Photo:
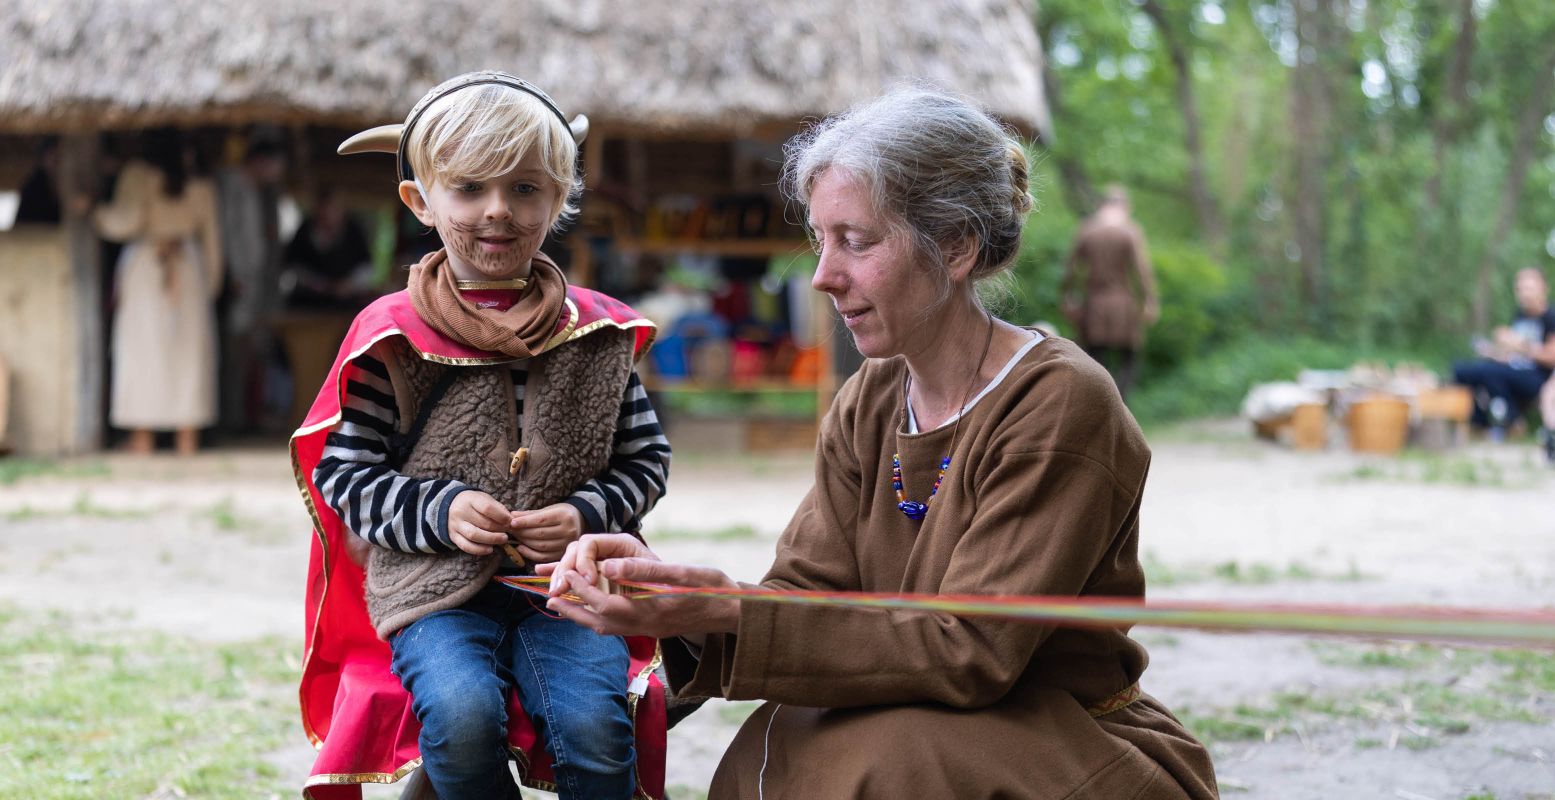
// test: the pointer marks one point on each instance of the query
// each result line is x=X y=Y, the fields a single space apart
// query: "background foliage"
x=1320 y=179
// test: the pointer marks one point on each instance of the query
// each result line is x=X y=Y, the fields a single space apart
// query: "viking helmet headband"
x=392 y=138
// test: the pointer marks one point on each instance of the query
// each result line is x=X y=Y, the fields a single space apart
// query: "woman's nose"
x=828 y=276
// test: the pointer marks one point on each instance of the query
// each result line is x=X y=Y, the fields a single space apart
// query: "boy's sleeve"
x=373 y=500
x=617 y=498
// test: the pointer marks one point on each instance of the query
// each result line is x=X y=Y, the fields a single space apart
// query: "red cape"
x=354 y=710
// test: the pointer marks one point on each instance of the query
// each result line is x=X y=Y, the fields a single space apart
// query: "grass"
x=13 y=470
x=84 y=506
x=130 y=716
x=1464 y=688
x=735 y=713
x=1159 y=573
x=1444 y=469
x=729 y=533
x=1414 y=466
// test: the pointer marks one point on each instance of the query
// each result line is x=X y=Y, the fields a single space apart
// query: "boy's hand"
x=477 y=522
x=544 y=533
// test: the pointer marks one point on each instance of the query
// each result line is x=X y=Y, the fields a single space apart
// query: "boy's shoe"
x=1547 y=441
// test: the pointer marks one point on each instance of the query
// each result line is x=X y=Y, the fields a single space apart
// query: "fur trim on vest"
x=571 y=404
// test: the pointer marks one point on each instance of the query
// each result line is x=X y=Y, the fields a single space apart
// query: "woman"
x=967 y=456
x=164 y=335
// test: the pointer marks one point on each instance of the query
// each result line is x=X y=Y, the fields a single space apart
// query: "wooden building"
x=690 y=103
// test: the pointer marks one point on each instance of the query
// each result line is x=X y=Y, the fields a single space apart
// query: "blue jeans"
x=458 y=666
x=1514 y=386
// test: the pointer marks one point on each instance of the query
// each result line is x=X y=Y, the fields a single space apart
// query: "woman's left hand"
x=614 y=614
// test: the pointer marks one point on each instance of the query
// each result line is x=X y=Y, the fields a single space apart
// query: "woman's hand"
x=544 y=533
x=619 y=557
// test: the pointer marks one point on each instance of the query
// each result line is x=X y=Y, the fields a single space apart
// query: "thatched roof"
x=677 y=65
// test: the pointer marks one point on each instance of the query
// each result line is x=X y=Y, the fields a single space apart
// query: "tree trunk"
x=78 y=157
x=1448 y=124
x=1311 y=111
x=1078 y=190
x=1204 y=204
x=1529 y=125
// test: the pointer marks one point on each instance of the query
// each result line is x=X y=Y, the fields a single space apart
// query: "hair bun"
x=1020 y=179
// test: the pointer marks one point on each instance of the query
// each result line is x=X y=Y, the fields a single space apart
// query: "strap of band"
x=475 y=79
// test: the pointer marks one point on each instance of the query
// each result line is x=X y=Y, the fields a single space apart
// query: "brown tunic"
x=1042 y=497
x=1119 y=283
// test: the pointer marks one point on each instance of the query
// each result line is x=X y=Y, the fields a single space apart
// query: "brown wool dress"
x=1042 y=497
x=1119 y=283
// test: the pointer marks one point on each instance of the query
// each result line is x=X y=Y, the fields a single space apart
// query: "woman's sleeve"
x=815 y=552
x=124 y=217
x=1045 y=519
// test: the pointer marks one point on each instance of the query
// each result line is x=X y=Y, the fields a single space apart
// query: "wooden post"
x=826 y=382
x=78 y=176
x=593 y=166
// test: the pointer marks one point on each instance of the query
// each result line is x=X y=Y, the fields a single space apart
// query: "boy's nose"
x=497 y=207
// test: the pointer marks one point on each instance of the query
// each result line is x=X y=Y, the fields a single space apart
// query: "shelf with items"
x=694 y=235
x=734 y=248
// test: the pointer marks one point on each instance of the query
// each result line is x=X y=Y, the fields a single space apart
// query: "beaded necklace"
x=915 y=510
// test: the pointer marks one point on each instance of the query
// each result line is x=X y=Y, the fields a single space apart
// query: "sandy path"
x=216 y=548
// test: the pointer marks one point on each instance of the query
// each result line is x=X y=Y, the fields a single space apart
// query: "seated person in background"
x=1547 y=414
x=1516 y=362
x=328 y=263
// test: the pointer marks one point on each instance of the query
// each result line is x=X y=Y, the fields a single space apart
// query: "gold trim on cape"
x=510 y=283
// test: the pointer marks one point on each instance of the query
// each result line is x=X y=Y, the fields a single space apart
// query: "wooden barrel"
x=1379 y=424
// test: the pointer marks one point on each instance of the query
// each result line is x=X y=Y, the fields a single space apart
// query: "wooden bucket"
x=1309 y=427
x=1454 y=403
x=1379 y=424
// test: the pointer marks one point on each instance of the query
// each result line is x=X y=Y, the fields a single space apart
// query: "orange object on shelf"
x=806 y=368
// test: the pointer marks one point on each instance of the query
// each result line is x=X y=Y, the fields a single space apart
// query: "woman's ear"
x=416 y=201
x=961 y=258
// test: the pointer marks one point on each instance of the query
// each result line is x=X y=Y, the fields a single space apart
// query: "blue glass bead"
x=913 y=509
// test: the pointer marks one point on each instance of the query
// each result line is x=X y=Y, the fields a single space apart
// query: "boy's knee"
x=455 y=732
x=596 y=736
x=462 y=715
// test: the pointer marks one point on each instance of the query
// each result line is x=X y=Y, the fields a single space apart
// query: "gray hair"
x=937 y=167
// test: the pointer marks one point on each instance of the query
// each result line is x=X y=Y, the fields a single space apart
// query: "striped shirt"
x=411 y=514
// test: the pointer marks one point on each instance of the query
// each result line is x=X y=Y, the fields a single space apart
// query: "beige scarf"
x=520 y=331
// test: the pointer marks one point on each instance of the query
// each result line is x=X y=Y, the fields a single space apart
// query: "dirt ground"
x=216 y=548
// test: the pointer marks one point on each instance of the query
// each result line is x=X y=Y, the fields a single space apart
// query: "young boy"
x=473 y=425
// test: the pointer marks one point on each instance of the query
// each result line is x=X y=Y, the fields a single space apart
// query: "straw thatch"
x=677 y=65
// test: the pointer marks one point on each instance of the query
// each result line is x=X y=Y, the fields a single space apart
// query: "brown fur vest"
x=571 y=404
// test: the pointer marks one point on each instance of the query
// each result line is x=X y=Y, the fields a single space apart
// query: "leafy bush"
x=1214 y=384
x=1194 y=290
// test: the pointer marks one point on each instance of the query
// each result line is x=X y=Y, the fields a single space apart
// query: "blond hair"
x=482 y=132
